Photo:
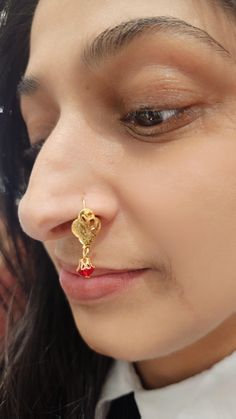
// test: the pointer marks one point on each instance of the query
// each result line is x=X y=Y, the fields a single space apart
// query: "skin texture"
x=166 y=202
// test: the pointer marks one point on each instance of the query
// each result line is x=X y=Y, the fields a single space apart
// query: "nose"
x=56 y=189
x=52 y=218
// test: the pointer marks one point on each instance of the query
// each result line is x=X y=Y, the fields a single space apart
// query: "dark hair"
x=46 y=368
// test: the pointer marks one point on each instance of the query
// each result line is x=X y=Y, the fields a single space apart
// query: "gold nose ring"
x=85 y=228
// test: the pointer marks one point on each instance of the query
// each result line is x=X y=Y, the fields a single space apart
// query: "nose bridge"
x=70 y=160
x=72 y=139
x=69 y=167
x=75 y=141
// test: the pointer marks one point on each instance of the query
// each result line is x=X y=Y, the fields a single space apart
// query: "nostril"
x=62 y=228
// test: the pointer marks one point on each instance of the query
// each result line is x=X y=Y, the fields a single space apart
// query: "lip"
x=96 y=288
x=99 y=271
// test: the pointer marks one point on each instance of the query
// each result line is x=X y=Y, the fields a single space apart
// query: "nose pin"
x=85 y=228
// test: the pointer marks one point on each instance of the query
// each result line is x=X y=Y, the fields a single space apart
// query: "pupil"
x=149 y=118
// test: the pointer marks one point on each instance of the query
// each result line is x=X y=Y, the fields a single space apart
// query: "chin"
x=119 y=350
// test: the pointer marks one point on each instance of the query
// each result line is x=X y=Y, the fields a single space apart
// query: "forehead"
x=63 y=29
x=55 y=21
x=93 y=15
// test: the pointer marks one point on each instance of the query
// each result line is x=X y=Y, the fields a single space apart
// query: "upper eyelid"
x=35 y=100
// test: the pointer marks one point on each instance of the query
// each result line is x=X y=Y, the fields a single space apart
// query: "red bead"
x=86 y=272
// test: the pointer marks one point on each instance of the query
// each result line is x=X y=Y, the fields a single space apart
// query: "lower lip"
x=96 y=288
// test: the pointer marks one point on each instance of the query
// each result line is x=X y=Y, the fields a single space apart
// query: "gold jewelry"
x=85 y=228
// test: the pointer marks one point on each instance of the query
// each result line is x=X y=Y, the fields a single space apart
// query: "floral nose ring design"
x=85 y=228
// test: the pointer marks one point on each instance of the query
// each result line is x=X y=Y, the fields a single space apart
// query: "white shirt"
x=210 y=394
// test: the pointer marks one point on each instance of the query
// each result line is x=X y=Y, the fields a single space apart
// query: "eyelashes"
x=30 y=154
x=150 y=117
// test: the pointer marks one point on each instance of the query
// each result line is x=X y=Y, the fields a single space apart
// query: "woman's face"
x=142 y=125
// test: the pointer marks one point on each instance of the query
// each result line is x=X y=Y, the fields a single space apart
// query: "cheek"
x=189 y=210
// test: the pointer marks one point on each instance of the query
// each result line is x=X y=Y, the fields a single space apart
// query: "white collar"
x=210 y=394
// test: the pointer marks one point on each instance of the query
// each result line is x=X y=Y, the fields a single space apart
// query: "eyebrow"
x=113 y=40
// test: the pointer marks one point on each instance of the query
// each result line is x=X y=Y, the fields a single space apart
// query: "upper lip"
x=97 y=272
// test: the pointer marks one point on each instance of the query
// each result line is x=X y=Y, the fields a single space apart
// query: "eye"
x=149 y=122
x=149 y=118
